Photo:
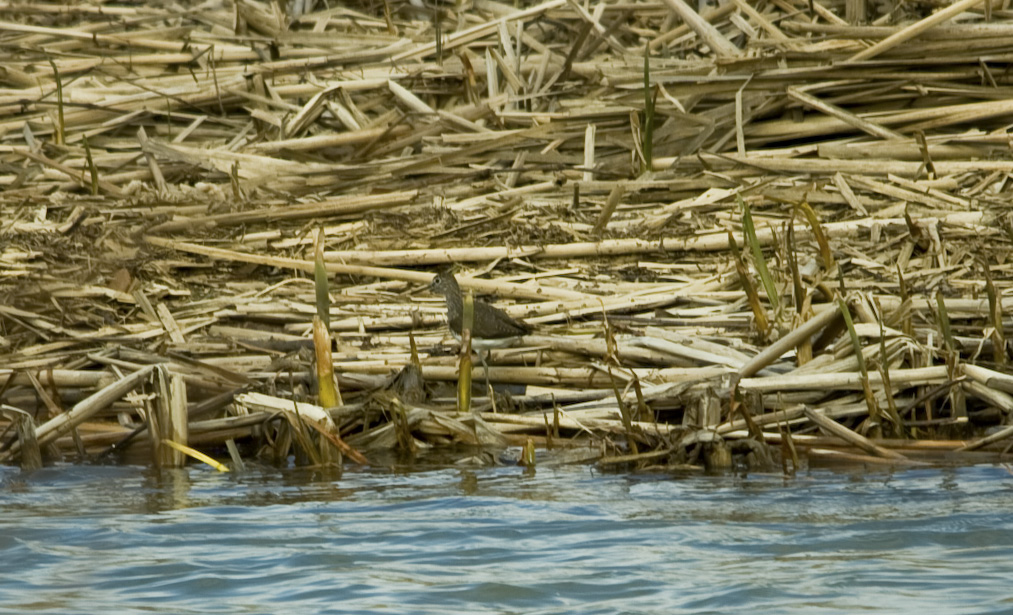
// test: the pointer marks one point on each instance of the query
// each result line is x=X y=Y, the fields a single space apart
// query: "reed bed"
x=752 y=234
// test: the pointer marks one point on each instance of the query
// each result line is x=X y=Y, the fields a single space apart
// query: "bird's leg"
x=485 y=366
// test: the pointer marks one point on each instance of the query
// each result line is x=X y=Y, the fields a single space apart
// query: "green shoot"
x=60 y=125
x=749 y=230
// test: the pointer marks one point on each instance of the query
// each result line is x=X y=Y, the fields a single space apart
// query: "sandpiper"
x=492 y=327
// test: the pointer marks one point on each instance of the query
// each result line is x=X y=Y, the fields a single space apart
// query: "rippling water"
x=565 y=540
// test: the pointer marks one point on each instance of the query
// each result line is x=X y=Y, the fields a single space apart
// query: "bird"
x=491 y=328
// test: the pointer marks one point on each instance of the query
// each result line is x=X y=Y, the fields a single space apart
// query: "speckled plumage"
x=492 y=326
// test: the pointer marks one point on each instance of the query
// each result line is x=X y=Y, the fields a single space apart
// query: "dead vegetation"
x=766 y=223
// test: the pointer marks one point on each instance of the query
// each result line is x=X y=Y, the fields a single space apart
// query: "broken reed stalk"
x=300 y=433
x=338 y=443
x=624 y=413
x=31 y=456
x=856 y=348
x=834 y=428
x=167 y=418
x=896 y=422
x=528 y=454
x=59 y=133
x=321 y=282
x=801 y=333
x=63 y=423
x=464 y=366
x=303 y=419
x=327 y=387
x=610 y=206
x=195 y=454
x=647 y=140
x=950 y=353
x=821 y=237
x=92 y=170
x=752 y=296
x=995 y=318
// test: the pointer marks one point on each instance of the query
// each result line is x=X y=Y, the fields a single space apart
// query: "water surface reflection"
x=563 y=540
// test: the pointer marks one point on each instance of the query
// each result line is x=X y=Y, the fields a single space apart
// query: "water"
x=565 y=540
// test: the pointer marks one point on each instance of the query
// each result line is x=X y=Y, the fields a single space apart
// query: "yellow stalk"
x=326 y=384
x=199 y=456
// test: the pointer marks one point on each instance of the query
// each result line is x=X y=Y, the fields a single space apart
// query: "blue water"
x=79 y=539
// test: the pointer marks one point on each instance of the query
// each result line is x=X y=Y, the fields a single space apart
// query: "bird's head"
x=444 y=283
